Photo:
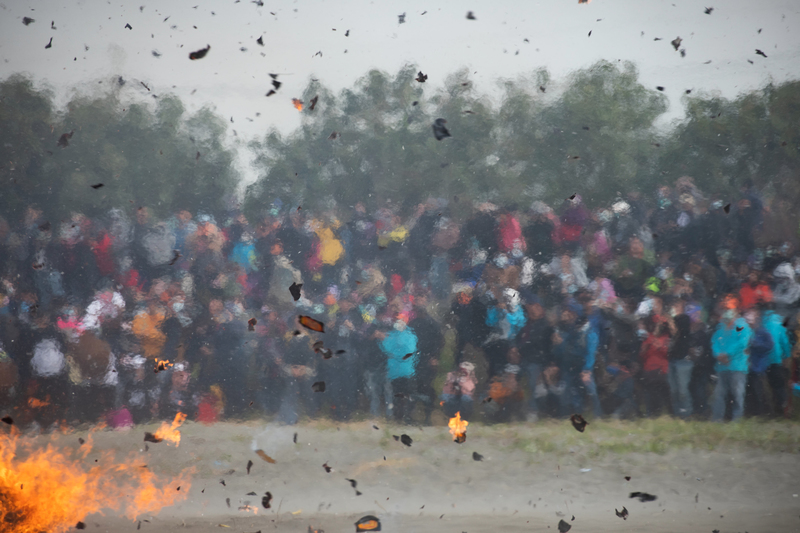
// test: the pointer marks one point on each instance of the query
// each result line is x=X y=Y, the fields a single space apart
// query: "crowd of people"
x=677 y=303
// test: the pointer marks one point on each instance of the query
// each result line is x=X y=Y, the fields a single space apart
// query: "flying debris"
x=327 y=468
x=439 y=129
x=175 y=257
x=251 y=324
x=471 y=15
x=265 y=457
x=249 y=466
x=96 y=186
x=622 y=514
x=578 y=422
x=128 y=26
x=676 y=43
x=313 y=102
x=260 y=40
x=590 y=33
x=27 y=20
x=708 y=10
x=354 y=484
x=294 y=289
x=63 y=141
x=405 y=439
x=643 y=496
x=8 y=420
x=347 y=33
x=759 y=52
x=683 y=52
x=401 y=19
x=49 y=44
x=310 y=323
x=318 y=386
x=563 y=526
x=421 y=77
x=200 y=54
x=156 y=53
x=266 y=499
x=541 y=88
x=297 y=103
x=660 y=88
x=333 y=136
x=476 y=456
x=368 y=523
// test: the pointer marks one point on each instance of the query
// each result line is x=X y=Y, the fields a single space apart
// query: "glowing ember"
x=52 y=490
x=298 y=104
x=458 y=428
x=169 y=432
x=161 y=365
x=36 y=403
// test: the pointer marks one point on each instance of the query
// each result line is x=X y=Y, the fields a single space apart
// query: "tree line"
x=593 y=133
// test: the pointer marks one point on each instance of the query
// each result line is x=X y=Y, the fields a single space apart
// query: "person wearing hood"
x=787 y=291
x=400 y=348
x=777 y=373
x=575 y=346
x=506 y=319
x=729 y=345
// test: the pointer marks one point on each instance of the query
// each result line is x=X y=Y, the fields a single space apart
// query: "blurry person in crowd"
x=761 y=345
x=632 y=270
x=459 y=390
x=729 y=345
x=754 y=291
x=400 y=347
x=575 y=345
x=680 y=359
x=470 y=315
x=655 y=369
x=430 y=342
x=777 y=372
x=535 y=343
x=506 y=318
x=299 y=368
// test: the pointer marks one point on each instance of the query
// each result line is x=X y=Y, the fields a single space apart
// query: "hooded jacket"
x=734 y=342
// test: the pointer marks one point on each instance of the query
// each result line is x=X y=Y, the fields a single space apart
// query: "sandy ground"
x=435 y=485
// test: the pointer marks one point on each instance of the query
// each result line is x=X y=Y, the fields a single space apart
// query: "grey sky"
x=440 y=42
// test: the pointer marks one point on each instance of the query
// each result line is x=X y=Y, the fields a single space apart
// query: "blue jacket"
x=734 y=342
x=782 y=348
x=760 y=347
x=516 y=320
x=397 y=345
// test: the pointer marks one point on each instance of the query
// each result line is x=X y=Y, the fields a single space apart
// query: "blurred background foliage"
x=595 y=133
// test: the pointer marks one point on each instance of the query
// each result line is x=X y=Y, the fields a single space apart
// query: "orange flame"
x=458 y=428
x=35 y=402
x=169 y=432
x=298 y=104
x=51 y=489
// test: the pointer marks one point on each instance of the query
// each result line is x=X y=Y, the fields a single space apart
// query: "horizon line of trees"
x=373 y=143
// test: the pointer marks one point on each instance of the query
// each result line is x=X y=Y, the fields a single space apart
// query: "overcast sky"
x=439 y=41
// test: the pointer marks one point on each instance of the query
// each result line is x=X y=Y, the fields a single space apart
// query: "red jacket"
x=654 y=353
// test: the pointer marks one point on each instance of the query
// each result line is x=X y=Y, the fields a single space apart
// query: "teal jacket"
x=734 y=342
x=396 y=346
x=782 y=348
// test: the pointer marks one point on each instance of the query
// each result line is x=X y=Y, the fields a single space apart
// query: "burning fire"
x=298 y=104
x=52 y=489
x=169 y=432
x=458 y=428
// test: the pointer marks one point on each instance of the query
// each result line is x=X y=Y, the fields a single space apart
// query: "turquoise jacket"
x=515 y=319
x=396 y=346
x=734 y=342
x=782 y=348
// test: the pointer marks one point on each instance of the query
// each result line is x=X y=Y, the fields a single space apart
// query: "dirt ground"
x=436 y=485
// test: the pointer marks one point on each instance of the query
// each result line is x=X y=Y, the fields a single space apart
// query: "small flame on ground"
x=298 y=104
x=50 y=489
x=169 y=432
x=458 y=428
